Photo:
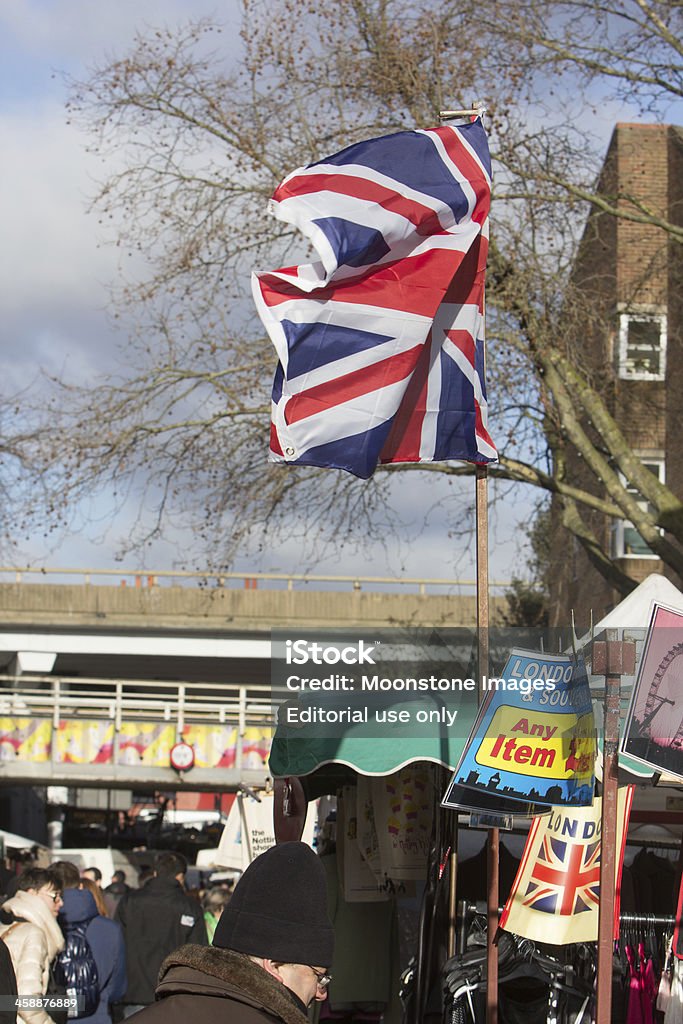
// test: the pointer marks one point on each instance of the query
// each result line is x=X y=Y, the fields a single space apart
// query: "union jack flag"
x=381 y=342
x=565 y=878
x=555 y=897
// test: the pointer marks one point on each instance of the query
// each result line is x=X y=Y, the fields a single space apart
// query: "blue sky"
x=54 y=278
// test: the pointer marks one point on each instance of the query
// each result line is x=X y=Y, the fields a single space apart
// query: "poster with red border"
x=556 y=895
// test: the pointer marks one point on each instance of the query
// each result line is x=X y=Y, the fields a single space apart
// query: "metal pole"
x=453 y=889
x=483 y=621
x=612 y=659
x=462 y=926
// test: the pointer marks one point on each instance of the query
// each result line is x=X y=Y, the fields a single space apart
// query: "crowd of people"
x=66 y=937
x=267 y=960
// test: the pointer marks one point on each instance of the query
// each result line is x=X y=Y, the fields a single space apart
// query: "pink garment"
x=633 y=1012
x=642 y=987
x=649 y=985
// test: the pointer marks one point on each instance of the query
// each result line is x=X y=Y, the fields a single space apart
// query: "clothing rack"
x=654 y=844
x=468 y=910
x=659 y=920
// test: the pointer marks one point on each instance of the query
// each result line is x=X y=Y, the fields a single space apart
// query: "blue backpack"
x=76 y=970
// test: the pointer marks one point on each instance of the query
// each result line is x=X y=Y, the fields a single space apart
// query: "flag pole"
x=483 y=622
x=612 y=658
x=481 y=500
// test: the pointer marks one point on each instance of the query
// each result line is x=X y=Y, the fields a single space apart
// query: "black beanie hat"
x=279 y=909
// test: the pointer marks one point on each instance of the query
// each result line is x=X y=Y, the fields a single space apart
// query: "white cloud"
x=54 y=273
x=49 y=252
x=54 y=277
x=80 y=30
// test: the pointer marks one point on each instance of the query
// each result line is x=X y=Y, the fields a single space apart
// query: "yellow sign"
x=538 y=743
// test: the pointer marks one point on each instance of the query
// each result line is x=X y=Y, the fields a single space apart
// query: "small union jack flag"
x=565 y=878
x=555 y=897
x=381 y=343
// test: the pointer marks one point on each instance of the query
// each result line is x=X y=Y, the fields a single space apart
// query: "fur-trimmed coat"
x=33 y=943
x=218 y=986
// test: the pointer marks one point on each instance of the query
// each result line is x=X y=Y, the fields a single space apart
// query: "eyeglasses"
x=54 y=896
x=322 y=977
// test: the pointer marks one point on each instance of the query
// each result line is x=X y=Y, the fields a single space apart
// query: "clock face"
x=182 y=756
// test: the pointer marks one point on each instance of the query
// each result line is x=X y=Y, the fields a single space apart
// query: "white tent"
x=636 y=609
x=14 y=842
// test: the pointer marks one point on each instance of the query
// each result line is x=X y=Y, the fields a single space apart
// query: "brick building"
x=630 y=274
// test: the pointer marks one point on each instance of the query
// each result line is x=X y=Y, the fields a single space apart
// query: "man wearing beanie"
x=271 y=950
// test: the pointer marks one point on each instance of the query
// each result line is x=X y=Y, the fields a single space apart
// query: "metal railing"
x=140 y=578
x=118 y=700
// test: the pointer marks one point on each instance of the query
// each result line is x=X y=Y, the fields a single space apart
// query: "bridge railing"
x=115 y=732
x=121 y=700
x=144 y=578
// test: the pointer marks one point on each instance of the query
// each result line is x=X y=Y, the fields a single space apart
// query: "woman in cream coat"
x=33 y=936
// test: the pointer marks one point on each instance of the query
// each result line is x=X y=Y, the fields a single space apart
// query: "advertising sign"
x=534 y=739
x=250 y=830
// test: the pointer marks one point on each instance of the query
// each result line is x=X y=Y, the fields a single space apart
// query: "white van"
x=106 y=859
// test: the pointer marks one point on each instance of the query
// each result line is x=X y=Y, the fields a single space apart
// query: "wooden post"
x=611 y=658
x=483 y=622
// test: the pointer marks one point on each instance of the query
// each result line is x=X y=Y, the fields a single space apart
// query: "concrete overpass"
x=231 y=602
x=99 y=679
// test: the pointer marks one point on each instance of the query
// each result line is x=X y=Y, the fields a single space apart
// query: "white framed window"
x=626 y=541
x=642 y=346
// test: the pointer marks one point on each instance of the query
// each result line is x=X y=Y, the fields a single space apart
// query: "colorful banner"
x=146 y=743
x=92 y=741
x=556 y=894
x=534 y=739
x=256 y=743
x=85 y=742
x=654 y=725
x=25 y=739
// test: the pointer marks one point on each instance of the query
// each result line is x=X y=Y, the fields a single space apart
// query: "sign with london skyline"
x=533 y=742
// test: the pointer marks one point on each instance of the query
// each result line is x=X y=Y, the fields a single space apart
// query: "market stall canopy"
x=366 y=755
x=441 y=716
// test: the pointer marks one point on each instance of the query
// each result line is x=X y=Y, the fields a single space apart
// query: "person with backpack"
x=30 y=931
x=93 y=962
